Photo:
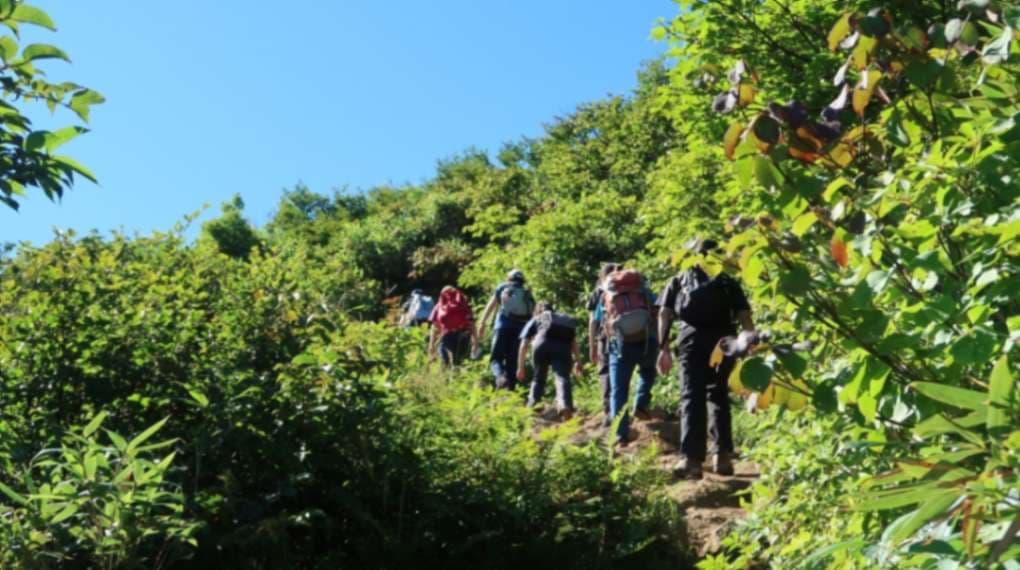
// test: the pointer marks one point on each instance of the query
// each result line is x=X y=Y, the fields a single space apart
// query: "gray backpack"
x=515 y=303
x=555 y=326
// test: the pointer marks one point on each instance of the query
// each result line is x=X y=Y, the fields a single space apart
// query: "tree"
x=27 y=156
x=232 y=234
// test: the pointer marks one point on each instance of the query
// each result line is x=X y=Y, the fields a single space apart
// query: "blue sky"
x=205 y=99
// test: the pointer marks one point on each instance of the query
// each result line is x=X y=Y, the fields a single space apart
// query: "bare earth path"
x=711 y=506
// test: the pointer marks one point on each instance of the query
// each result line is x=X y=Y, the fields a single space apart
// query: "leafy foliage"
x=27 y=156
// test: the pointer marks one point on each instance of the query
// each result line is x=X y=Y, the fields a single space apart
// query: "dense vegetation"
x=243 y=402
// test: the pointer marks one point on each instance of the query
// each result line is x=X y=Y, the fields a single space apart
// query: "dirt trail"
x=711 y=506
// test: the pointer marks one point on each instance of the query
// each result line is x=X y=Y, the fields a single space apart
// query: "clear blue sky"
x=208 y=98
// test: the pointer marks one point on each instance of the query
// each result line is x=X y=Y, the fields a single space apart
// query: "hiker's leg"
x=646 y=379
x=561 y=369
x=621 y=368
x=498 y=357
x=541 y=362
x=513 y=346
x=720 y=421
x=604 y=374
x=444 y=350
x=692 y=405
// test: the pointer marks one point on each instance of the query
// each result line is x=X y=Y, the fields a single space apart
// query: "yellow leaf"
x=839 y=31
x=717 y=355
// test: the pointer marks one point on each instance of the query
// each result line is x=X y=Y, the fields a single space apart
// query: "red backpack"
x=453 y=312
x=628 y=315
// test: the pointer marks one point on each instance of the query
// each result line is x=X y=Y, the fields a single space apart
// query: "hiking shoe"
x=566 y=414
x=642 y=414
x=688 y=469
x=723 y=464
x=607 y=421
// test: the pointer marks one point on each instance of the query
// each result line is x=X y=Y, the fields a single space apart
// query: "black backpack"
x=555 y=326
x=703 y=301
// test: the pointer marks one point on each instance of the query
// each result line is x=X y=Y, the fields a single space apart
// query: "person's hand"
x=578 y=367
x=593 y=354
x=520 y=374
x=665 y=362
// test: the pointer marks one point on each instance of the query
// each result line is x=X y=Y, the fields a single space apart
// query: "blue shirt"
x=503 y=321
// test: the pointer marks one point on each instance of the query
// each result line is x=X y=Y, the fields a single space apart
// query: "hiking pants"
x=503 y=358
x=453 y=347
x=554 y=355
x=704 y=389
x=623 y=359
x=603 y=348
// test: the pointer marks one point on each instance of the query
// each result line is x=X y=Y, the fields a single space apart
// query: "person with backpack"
x=453 y=327
x=628 y=314
x=598 y=351
x=555 y=340
x=416 y=310
x=706 y=302
x=515 y=304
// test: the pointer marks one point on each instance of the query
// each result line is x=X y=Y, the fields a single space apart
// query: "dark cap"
x=702 y=245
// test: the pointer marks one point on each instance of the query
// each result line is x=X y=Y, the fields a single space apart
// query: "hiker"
x=515 y=304
x=416 y=310
x=598 y=353
x=705 y=301
x=453 y=326
x=628 y=317
x=555 y=339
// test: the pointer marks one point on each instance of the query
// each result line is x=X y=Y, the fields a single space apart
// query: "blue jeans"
x=623 y=359
x=503 y=358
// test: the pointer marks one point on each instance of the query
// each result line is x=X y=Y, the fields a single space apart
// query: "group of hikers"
x=629 y=328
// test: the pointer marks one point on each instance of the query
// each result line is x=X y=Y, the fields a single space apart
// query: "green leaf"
x=803 y=223
x=43 y=51
x=140 y=438
x=755 y=374
x=13 y=495
x=956 y=397
x=898 y=497
x=199 y=398
x=997 y=51
x=82 y=101
x=817 y=557
x=1000 y=391
x=76 y=167
x=794 y=363
x=839 y=31
x=931 y=508
x=940 y=424
x=8 y=48
x=26 y=14
x=94 y=424
x=69 y=511
x=119 y=442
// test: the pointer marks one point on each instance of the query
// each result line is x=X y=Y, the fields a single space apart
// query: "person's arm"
x=522 y=356
x=593 y=339
x=665 y=322
x=745 y=320
x=486 y=315
x=433 y=336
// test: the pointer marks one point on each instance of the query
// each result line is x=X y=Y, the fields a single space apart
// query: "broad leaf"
x=956 y=397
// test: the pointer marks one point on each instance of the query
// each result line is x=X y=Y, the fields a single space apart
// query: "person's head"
x=449 y=294
x=707 y=252
x=543 y=306
x=608 y=268
x=516 y=276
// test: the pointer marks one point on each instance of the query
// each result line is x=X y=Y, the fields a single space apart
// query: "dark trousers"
x=453 y=347
x=555 y=356
x=503 y=358
x=704 y=402
x=603 y=348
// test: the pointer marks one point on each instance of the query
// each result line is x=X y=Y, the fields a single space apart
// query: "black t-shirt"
x=689 y=334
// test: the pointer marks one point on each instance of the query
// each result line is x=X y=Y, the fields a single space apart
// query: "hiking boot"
x=607 y=420
x=723 y=464
x=566 y=414
x=688 y=469
x=642 y=414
